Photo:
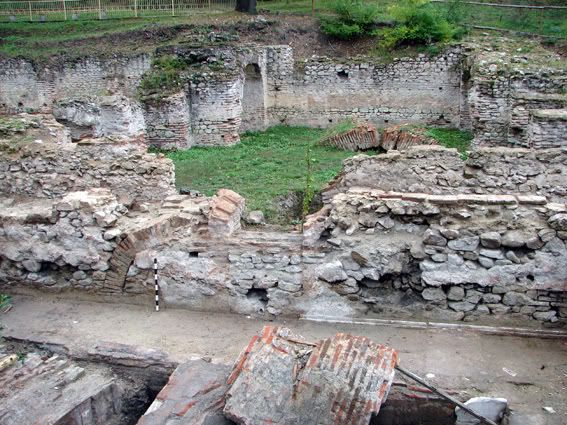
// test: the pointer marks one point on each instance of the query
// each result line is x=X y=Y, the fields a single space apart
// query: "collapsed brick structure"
x=362 y=136
x=80 y=397
x=282 y=378
x=342 y=379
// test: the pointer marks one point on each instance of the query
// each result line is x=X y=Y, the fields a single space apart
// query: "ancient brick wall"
x=51 y=170
x=24 y=85
x=504 y=90
x=471 y=89
x=219 y=105
x=321 y=92
x=547 y=128
x=437 y=170
x=216 y=111
x=168 y=122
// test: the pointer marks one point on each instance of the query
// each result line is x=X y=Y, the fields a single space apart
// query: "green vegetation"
x=309 y=192
x=551 y=22
x=169 y=73
x=417 y=23
x=411 y=22
x=271 y=164
x=452 y=138
x=165 y=77
x=352 y=19
x=40 y=41
x=264 y=166
x=10 y=126
x=5 y=301
x=345 y=19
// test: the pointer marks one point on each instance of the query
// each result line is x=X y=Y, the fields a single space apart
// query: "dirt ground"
x=531 y=373
x=300 y=32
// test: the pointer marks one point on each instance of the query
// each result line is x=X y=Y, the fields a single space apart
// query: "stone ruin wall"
x=546 y=127
x=437 y=170
x=97 y=95
x=50 y=170
x=504 y=99
x=459 y=88
x=320 y=92
x=408 y=253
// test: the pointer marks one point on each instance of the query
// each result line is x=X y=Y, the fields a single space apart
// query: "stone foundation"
x=438 y=170
x=51 y=170
x=410 y=255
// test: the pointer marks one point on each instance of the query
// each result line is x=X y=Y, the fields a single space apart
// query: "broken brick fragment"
x=281 y=378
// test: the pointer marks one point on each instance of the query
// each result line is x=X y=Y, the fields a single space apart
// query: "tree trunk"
x=246 y=6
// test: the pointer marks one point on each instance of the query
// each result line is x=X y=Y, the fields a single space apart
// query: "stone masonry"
x=548 y=128
x=252 y=87
x=438 y=170
x=50 y=170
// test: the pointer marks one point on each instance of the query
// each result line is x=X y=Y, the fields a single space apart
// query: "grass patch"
x=452 y=138
x=11 y=126
x=41 y=40
x=262 y=167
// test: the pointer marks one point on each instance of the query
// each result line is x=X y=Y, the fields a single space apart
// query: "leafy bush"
x=417 y=23
x=352 y=19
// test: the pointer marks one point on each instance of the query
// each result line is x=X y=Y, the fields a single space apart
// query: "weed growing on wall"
x=169 y=74
x=164 y=76
x=309 y=191
x=10 y=126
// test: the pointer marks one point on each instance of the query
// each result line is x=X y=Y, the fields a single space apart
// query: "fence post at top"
x=31 y=16
x=172 y=7
x=99 y=10
x=136 y=8
x=64 y=10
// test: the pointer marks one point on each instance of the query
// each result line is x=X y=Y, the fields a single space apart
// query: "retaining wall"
x=438 y=170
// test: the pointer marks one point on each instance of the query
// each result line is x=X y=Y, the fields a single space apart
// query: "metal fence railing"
x=65 y=10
